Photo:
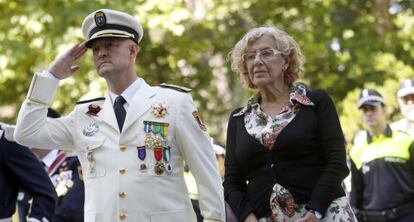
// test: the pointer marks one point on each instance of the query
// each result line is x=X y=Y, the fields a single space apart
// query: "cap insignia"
x=100 y=19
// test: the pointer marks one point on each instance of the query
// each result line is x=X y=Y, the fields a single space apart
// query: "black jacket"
x=20 y=169
x=308 y=158
x=70 y=204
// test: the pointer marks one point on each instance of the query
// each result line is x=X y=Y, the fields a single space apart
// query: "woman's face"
x=264 y=63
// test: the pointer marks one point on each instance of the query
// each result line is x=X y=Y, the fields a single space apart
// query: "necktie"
x=120 y=112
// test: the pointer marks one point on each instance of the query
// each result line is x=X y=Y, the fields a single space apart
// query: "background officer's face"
x=373 y=115
x=407 y=106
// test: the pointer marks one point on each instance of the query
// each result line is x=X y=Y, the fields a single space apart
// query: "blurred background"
x=348 y=44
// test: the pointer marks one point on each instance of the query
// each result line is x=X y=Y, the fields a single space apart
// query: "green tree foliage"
x=349 y=44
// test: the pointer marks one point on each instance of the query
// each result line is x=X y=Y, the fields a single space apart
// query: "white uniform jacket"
x=120 y=182
x=403 y=125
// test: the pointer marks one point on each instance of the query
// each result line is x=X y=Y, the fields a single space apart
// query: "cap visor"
x=89 y=43
x=405 y=92
x=370 y=103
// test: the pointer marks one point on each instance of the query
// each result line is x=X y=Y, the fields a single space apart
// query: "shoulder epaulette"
x=175 y=87
x=90 y=100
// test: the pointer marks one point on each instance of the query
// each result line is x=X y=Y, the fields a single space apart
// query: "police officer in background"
x=405 y=96
x=64 y=172
x=21 y=170
x=382 y=166
x=133 y=143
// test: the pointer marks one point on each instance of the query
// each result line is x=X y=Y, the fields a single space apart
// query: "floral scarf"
x=265 y=128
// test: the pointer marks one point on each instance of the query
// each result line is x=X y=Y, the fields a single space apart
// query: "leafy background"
x=349 y=45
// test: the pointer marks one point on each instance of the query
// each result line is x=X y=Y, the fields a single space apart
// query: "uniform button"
x=272 y=165
x=121 y=194
x=122 y=216
x=122 y=147
x=122 y=170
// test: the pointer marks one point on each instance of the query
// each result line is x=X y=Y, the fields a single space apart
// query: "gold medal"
x=149 y=141
x=159 y=168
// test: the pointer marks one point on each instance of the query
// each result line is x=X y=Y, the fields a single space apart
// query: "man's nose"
x=102 y=52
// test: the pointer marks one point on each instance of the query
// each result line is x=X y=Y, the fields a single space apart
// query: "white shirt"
x=50 y=158
x=128 y=93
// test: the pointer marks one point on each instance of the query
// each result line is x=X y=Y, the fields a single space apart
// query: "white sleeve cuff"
x=47 y=74
x=42 y=88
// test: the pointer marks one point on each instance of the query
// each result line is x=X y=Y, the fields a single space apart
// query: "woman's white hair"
x=284 y=43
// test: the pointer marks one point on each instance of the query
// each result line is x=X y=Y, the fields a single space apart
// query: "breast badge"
x=159 y=109
x=93 y=110
x=91 y=129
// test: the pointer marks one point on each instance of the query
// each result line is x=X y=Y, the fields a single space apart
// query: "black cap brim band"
x=115 y=27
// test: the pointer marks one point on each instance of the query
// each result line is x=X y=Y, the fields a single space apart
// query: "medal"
x=91 y=160
x=158 y=141
x=91 y=129
x=164 y=130
x=147 y=126
x=167 y=158
x=157 y=128
x=149 y=141
x=141 y=155
x=159 y=166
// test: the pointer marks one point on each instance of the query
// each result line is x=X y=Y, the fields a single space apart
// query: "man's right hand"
x=64 y=66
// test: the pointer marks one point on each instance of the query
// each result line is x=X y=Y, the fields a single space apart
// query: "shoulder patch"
x=90 y=100
x=175 y=87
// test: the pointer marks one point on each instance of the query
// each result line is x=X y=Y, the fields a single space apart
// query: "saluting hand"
x=64 y=66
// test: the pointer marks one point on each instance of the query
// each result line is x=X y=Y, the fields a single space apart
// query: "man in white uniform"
x=133 y=143
x=405 y=96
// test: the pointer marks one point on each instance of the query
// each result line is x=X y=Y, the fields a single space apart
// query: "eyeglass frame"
x=259 y=52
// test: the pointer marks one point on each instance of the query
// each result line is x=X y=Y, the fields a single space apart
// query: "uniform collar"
x=128 y=93
x=50 y=157
x=387 y=133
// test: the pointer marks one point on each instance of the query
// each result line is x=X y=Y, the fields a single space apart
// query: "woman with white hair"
x=285 y=154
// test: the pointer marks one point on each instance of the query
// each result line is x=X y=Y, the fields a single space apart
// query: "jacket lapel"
x=108 y=114
x=141 y=102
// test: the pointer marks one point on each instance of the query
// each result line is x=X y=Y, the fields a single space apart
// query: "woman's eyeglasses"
x=264 y=55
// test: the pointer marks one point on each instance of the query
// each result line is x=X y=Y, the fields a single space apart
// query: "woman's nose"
x=258 y=59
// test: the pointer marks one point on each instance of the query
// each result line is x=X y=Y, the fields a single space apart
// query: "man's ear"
x=134 y=50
